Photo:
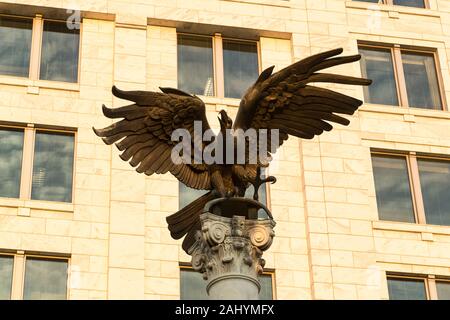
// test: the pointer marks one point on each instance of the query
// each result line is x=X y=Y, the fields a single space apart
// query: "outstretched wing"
x=144 y=133
x=285 y=100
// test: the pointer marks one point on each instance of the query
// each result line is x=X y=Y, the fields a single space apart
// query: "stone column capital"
x=231 y=249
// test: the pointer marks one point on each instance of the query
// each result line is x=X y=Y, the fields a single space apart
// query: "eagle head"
x=225 y=121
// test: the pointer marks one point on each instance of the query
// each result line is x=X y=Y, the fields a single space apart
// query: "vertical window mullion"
x=432 y=289
x=389 y=2
x=18 y=276
x=258 y=52
x=400 y=76
x=36 y=42
x=27 y=163
x=417 y=191
x=438 y=70
x=218 y=65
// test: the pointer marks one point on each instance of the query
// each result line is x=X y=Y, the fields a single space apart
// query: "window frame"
x=218 y=63
x=391 y=3
x=19 y=269
x=439 y=279
x=37 y=33
x=399 y=75
x=414 y=178
x=429 y=280
x=11 y=255
x=26 y=175
x=267 y=271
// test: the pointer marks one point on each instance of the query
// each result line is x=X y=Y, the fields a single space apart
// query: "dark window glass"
x=193 y=287
x=266 y=292
x=45 y=279
x=240 y=64
x=11 y=150
x=53 y=167
x=376 y=64
x=187 y=195
x=410 y=3
x=6 y=272
x=15 y=46
x=435 y=186
x=443 y=290
x=262 y=196
x=392 y=188
x=406 y=289
x=60 y=51
x=421 y=81
x=195 y=65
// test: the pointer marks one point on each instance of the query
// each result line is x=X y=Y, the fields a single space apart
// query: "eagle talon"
x=270 y=179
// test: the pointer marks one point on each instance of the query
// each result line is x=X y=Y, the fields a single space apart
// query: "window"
x=187 y=195
x=30 y=277
x=59 y=53
x=195 y=57
x=36 y=164
x=6 y=272
x=394 y=198
x=26 y=40
x=11 y=152
x=410 y=3
x=401 y=77
x=240 y=67
x=193 y=287
x=406 y=289
x=418 y=287
x=378 y=66
x=222 y=67
x=435 y=186
x=412 y=188
x=443 y=290
x=45 y=279
x=52 y=167
x=407 y=3
x=15 y=36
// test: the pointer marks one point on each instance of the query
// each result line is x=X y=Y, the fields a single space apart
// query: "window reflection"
x=11 y=151
x=187 y=195
x=60 y=50
x=15 y=48
x=392 y=188
x=240 y=64
x=195 y=65
x=53 y=167
x=421 y=81
x=6 y=272
x=443 y=290
x=410 y=3
x=435 y=186
x=376 y=64
x=193 y=287
x=45 y=279
x=406 y=289
x=373 y=1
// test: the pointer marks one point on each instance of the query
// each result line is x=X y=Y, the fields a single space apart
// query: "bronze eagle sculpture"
x=283 y=100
